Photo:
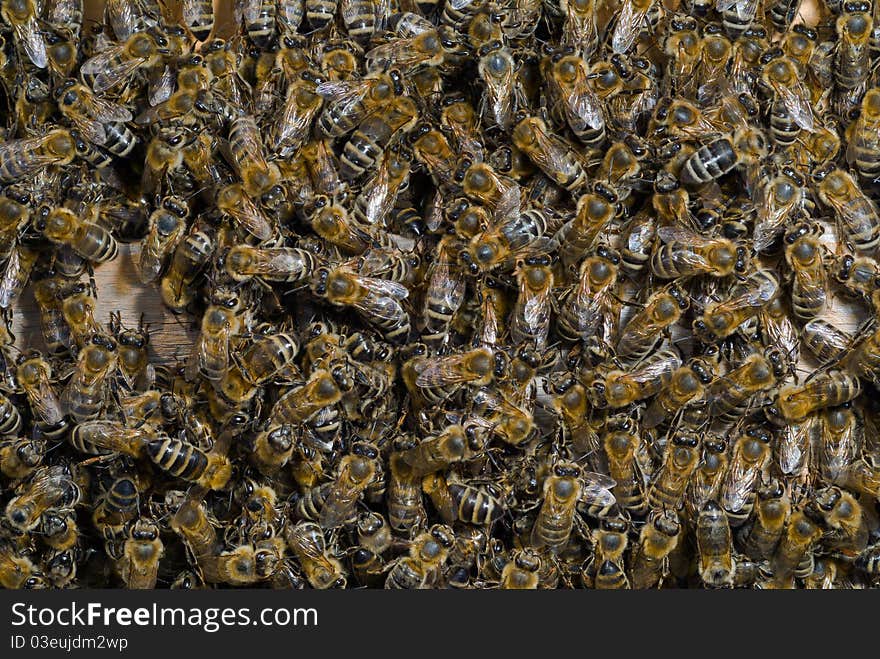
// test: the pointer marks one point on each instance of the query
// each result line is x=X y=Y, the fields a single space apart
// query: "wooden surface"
x=119 y=290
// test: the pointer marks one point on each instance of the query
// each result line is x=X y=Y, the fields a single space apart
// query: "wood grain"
x=119 y=290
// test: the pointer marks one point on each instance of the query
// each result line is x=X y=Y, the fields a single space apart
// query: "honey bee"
x=556 y=517
x=840 y=442
x=590 y=307
x=455 y=443
x=421 y=568
x=302 y=403
x=322 y=569
x=19 y=458
x=619 y=388
x=98 y=120
x=89 y=240
x=780 y=73
x=182 y=460
x=142 y=551
x=22 y=158
x=649 y=559
x=856 y=213
x=233 y=201
x=530 y=322
x=223 y=320
x=377 y=300
x=117 y=507
x=642 y=333
x=863 y=149
x=23 y=17
x=132 y=345
x=730 y=395
x=33 y=375
x=859 y=276
x=354 y=474
x=685 y=253
x=827 y=389
x=621 y=443
x=744 y=301
x=771 y=511
x=549 y=152
x=680 y=459
x=98 y=437
x=854 y=27
x=375 y=132
x=406 y=512
x=190 y=256
x=497 y=70
x=803 y=252
x=407 y=53
x=196 y=528
x=711 y=161
x=781 y=196
x=581 y=109
x=86 y=390
x=166 y=229
x=798 y=540
x=714 y=547
x=120 y=62
x=687 y=384
x=750 y=459
x=521 y=571
x=49 y=487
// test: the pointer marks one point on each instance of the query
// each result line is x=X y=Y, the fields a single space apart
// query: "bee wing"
x=400 y=52
x=629 y=21
x=10 y=276
x=585 y=309
x=45 y=403
x=60 y=12
x=250 y=9
x=279 y=265
x=294 y=123
x=743 y=8
x=597 y=489
x=384 y=288
x=509 y=204
x=110 y=77
x=584 y=105
x=838 y=454
x=653 y=369
x=796 y=101
x=251 y=218
x=346 y=94
x=161 y=86
x=680 y=234
x=751 y=296
x=739 y=484
x=104 y=110
x=440 y=372
x=550 y=153
x=339 y=505
x=31 y=40
x=536 y=308
x=444 y=287
x=92 y=130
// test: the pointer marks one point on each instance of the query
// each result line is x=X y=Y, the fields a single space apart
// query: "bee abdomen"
x=177 y=457
x=710 y=162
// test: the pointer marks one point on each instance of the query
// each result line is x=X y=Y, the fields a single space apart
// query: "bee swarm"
x=511 y=294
